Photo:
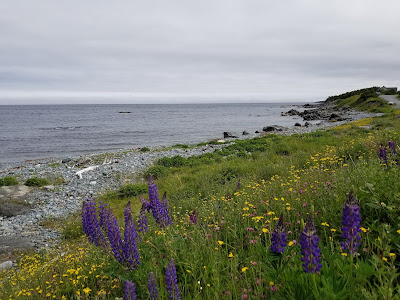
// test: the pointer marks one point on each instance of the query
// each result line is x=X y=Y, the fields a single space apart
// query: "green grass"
x=227 y=253
x=8 y=181
x=36 y=182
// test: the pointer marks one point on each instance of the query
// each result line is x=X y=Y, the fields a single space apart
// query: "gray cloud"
x=301 y=49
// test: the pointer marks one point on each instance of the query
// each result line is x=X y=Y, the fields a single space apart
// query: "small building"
x=385 y=89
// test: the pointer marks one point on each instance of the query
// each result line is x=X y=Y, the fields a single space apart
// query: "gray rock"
x=274 y=128
x=245 y=133
x=6 y=265
x=229 y=135
x=297 y=124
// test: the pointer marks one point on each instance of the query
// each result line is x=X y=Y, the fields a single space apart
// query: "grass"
x=8 y=181
x=227 y=253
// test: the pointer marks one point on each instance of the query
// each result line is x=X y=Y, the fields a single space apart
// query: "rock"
x=14 y=243
x=49 y=187
x=229 y=135
x=245 y=133
x=93 y=182
x=274 y=128
x=297 y=124
x=306 y=124
x=66 y=160
x=10 y=209
x=292 y=112
x=6 y=265
x=256 y=131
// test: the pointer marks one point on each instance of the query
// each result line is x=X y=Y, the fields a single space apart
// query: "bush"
x=35 y=181
x=132 y=190
x=144 y=149
x=7 y=181
x=175 y=161
x=156 y=172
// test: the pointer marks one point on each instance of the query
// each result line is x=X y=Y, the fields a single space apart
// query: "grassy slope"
x=226 y=254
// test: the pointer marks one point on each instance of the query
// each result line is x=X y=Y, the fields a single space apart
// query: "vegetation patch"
x=36 y=182
x=8 y=181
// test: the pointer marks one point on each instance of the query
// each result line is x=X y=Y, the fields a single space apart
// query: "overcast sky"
x=251 y=50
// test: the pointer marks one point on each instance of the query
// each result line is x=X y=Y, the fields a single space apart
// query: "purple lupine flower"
x=142 y=222
x=278 y=239
x=145 y=204
x=172 y=281
x=392 y=147
x=165 y=217
x=351 y=221
x=154 y=200
x=129 y=293
x=90 y=223
x=114 y=236
x=193 y=217
x=382 y=154
x=152 y=285
x=309 y=248
x=130 y=251
x=128 y=215
x=103 y=215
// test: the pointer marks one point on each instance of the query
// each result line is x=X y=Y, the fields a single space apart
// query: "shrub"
x=144 y=149
x=132 y=190
x=8 y=180
x=156 y=172
x=175 y=161
x=35 y=181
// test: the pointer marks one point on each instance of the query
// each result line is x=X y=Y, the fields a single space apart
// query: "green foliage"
x=132 y=190
x=175 y=161
x=156 y=172
x=8 y=180
x=36 y=182
x=144 y=149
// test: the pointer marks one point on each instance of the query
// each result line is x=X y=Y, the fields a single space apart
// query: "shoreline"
x=111 y=170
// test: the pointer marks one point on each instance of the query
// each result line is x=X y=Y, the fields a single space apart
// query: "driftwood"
x=79 y=173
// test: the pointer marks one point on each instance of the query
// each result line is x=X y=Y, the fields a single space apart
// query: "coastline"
x=111 y=170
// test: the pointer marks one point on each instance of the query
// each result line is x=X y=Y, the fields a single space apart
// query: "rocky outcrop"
x=229 y=135
x=272 y=128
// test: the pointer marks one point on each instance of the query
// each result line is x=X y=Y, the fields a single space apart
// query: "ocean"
x=43 y=131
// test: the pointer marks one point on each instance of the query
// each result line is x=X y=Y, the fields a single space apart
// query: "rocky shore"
x=23 y=209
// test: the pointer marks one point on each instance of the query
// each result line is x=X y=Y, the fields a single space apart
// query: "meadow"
x=310 y=216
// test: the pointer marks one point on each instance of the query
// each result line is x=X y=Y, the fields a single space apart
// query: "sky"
x=100 y=51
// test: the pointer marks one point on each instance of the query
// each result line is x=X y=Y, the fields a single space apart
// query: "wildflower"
x=230 y=255
x=165 y=217
x=172 y=281
x=154 y=200
x=278 y=239
x=130 y=250
x=382 y=154
x=325 y=224
x=392 y=254
x=103 y=211
x=384 y=259
x=193 y=217
x=220 y=242
x=351 y=225
x=142 y=221
x=152 y=286
x=392 y=147
x=87 y=290
x=271 y=283
x=244 y=269
x=114 y=236
x=309 y=248
x=265 y=230
x=344 y=254
x=129 y=293
x=90 y=223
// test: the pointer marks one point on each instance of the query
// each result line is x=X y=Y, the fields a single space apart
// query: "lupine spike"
x=130 y=251
x=172 y=281
x=309 y=248
x=392 y=147
x=152 y=286
x=129 y=292
x=165 y=217
x=154 y=199
x=279 y=237
x=103 y=211
x=90 y=223
x=193 y=217
x=382 y=154
x=114 y=236
x=351 y=221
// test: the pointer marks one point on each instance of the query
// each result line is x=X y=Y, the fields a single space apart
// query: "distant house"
x=385 y=89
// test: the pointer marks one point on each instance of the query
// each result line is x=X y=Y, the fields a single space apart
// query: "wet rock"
x=274 y=128
x=297 y=124
x=245 y=133
x=229 y=135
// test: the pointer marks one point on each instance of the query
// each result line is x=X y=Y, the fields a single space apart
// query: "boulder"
x=291 y=112
x=6 y=265
x=306 y=124
x=229 y=135
x=274 y=128
x=245 y=133
x=297 y=124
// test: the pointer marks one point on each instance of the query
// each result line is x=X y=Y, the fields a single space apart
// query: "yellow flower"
x=244 y=269
x=220 y=242
x=265 y=230
x=208 y=285
x=384 y=258
x=392 y=254
x=364 y=230
x=325 y=224
x=230 y=255
x=333 y=229
x=271 y=283
x=87 y=290
x=290 y=244
x=344 y=254
x=398 y=231
x=78 y=293
x=188 y=271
